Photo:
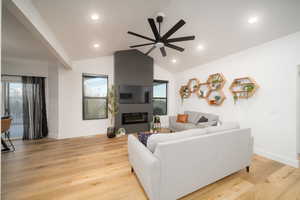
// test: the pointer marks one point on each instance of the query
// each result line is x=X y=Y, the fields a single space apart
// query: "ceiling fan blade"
x=152 y=48
x=180 y=39
x=140 y=45
x=173 y=29
x=163 y=51
x=141 y=36
x=175 y=47
x=154 y=28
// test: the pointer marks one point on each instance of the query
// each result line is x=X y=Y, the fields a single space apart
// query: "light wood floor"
x=97 y=168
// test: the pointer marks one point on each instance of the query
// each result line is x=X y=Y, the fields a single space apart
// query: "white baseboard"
x=279 y=158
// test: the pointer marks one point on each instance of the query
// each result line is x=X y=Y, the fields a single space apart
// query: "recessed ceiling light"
x=95 y=17
x=200 y=47
x=174 y=60
x=253 y=20
x=96 y=46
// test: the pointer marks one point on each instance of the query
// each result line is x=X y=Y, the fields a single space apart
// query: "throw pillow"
x=143 y=137
x=203 y=119
x=182 y=118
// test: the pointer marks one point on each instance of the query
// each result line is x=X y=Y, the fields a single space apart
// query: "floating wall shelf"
x=203 y=90
x=215 y=97
x=216 y=81
x=193 y=85
x=184 y=92
x=243 y=88
x=211 y=90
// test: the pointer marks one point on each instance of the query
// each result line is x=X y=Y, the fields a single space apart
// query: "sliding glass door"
x=12 y=104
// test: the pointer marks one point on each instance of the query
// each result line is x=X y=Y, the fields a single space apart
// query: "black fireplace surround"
x=134 y=118
x=133 y=79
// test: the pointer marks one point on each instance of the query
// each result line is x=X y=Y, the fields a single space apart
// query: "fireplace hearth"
x=134 y=118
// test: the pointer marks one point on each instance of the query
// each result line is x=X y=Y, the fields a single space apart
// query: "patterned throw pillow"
x=143 y=137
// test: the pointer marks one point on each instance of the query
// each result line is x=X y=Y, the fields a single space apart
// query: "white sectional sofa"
x=193 y=118
x=174 y=165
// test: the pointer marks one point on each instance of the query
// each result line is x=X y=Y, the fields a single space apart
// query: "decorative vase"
x=121 y=132
x=111 y=132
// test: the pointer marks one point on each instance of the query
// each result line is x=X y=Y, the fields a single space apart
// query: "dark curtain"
x=34 y=108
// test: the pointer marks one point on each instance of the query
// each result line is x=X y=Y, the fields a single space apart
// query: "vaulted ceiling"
x=18 y=43
x=220 y=26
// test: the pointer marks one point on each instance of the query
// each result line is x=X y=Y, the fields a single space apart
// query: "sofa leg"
x=132 y=170
x=248 y=169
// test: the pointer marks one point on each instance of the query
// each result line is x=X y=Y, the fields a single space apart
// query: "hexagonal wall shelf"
x=243 y=87
x=203 y=90
x=215 y=97
x=216 y=81
x=184 y=92
x=193 y=85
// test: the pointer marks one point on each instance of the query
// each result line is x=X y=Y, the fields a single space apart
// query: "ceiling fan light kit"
x=162 y=41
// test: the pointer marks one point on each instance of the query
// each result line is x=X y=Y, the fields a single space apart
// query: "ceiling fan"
x=162 y=41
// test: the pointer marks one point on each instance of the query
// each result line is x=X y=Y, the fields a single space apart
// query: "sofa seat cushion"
x=224 y=127
x=154 y=139
x=184 y=126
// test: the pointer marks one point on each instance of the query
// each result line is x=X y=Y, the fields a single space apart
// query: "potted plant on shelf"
x=249 y=87
x=235 y=98
x=113 y=109
x=217 y=98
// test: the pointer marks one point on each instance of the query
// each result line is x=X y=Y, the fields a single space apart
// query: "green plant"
x=215 y=81
x=113 y=106
x=249 y=87
x=217 y=98
x=235 y=98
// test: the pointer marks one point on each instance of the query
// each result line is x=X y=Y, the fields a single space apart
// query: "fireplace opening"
x=134 y=118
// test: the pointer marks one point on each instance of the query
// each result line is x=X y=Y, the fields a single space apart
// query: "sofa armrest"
x=145 y=165
x=172 y=121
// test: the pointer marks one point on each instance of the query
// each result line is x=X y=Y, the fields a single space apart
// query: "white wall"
x=271 y=111
x=52 y=100
x=70 y=96
x=298 y=111
x=25 y=67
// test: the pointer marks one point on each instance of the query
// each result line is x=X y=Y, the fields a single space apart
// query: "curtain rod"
x=23 y=75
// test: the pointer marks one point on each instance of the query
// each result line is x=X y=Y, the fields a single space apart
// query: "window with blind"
x=160 y=97
x=94 y=96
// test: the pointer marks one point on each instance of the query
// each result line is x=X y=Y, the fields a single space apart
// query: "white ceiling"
x=220 y=25
x=20 y=43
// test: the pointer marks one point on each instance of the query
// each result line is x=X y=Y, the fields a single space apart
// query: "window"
x=94 y=96
x=12 y=103
x=160 y=97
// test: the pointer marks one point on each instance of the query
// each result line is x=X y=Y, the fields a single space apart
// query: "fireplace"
x=134 y=118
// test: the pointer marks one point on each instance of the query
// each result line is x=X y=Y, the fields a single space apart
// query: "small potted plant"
x=249 y=87
x=235 y=98
x=113 y=109
x=217 y=98
x=156 y=124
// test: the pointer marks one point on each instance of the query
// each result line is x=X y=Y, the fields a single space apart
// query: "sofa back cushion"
x=154 y=139
x=224 y=127
x=193 y=116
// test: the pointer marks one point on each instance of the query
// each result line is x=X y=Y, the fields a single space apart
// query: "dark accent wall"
x=132 y=67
